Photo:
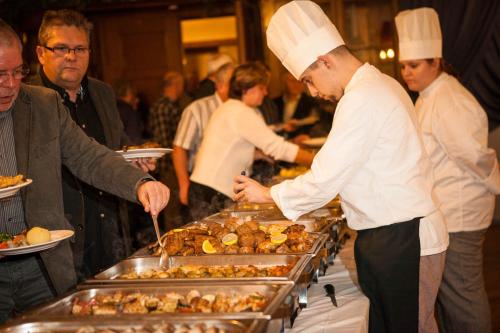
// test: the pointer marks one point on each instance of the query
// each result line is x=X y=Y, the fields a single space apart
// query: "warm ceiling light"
x=382 y=55
x=390 y=53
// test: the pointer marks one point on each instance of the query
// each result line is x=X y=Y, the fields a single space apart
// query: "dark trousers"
x=22 y=285
x=205 y=201
x=387 y=261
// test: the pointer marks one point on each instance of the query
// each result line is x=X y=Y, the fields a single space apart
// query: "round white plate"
x=144 y=153
x=11 y=190
x=314 y=142
x=56 y=237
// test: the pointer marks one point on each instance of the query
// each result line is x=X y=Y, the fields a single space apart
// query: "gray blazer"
x=46 y=137
x=104 y=101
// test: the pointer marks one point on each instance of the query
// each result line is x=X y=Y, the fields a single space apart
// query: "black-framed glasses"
x=17 y=73
x=63 y=50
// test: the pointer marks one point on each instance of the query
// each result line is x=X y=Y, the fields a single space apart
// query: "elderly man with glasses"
x=99 y=218
x=37 y=138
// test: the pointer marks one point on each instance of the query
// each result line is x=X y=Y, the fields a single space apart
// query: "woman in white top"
x=455 y=131
x=234 y=132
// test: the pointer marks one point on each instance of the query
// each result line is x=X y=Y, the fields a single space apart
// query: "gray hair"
x=223 y=74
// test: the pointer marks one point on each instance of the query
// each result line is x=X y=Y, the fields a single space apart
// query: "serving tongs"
x=163 y=253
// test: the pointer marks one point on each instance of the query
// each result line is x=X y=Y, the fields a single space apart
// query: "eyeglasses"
x=61 y=51
x=16 y=74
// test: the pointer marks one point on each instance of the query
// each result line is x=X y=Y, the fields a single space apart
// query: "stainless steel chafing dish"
x=142 y=325
x=302 y=273
x=282 y=302
x=112 y=275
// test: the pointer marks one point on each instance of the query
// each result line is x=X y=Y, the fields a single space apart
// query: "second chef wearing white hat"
x=373 y=157
x=455 y=132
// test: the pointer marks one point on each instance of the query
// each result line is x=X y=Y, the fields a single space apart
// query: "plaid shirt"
x=164 y=117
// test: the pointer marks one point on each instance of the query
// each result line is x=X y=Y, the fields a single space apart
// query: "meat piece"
x=232 y=224
x=134 y=307
x=246 y=250
x=243 y=229
x=283 y=249
x=231 y=249
x=187 y=251
x=174 y=243
x=221 y=233
x=266 y=247
x=218 y=246
x=246 y=240
x=295 y=228
x=260 y=236
x=198 y=243
x=253 y=225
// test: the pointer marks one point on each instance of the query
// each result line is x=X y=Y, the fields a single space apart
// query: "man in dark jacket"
x=38 y=137
x=99 y=218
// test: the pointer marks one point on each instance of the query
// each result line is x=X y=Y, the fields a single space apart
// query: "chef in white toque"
x=373 y=157
x=455 y=133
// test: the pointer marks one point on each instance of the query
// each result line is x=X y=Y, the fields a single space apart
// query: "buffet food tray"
x=141 y=264
x=142 y=325
x=281 y=301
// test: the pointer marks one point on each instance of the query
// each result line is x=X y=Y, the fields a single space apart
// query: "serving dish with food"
x=214 y=301
x=204 y=269
x=33 y=240
x=10 y=185
x=234 y=236
x=146 y=150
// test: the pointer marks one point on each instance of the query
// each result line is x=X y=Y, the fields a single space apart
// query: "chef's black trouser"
x=387 y=261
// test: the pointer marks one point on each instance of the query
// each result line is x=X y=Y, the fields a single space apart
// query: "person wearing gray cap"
x=373 y=157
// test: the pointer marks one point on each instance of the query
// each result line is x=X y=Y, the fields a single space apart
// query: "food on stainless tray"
x=36 y=235
x=148 y=144
x=172 y=302
x=203 y=271
x=157 y=328
x=7 y=181
x=236 y=237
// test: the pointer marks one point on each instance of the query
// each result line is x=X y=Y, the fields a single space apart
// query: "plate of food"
x=33 y=240
x=314 y=142
x=146 y=150
x=10 y=185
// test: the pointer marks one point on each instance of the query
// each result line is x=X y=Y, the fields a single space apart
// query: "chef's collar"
x=62 y=92
x=430 y=87
x=356 y=77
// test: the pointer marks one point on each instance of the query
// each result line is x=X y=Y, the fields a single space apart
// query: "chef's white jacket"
x=229 y=141
x=374 y=158
x=455 y=134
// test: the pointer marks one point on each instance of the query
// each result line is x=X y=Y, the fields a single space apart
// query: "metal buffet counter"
x=221 y=287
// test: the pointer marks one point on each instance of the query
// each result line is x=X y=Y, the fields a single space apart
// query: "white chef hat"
x=217 y=62
x=419 y=34
x=298 y=33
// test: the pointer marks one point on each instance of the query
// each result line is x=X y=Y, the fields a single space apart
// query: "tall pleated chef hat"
x=298 y=33
x=419 y=34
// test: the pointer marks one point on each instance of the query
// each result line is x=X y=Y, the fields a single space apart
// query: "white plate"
x=314 y=142
x=56 y=237
x=11 y=190
x=144 y=153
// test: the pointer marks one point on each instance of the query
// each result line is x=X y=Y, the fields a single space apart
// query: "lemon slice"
x=276 y=229
x=263 y=228
x=207 y=247
x=278 y=239
x=230 y=239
